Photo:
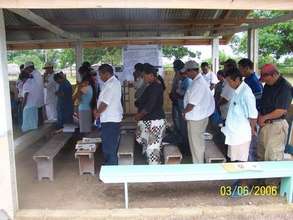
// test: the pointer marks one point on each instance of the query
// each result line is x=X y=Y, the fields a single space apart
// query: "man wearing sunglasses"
x=274 y=105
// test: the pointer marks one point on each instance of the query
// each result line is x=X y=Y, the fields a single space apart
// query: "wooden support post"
x=78 y=59
x=252 y=45
x=215 y=54
x=8 y=189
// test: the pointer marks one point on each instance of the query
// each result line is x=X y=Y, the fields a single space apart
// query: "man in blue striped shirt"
x=251 y=79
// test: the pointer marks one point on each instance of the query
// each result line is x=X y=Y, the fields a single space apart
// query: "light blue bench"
x=196 y=172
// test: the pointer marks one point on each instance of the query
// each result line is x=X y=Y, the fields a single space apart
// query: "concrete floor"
x=74 y=192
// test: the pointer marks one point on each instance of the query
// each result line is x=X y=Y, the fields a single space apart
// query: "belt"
x=270 y=121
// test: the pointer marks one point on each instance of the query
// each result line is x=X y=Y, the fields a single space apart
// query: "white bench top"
x=190 y=172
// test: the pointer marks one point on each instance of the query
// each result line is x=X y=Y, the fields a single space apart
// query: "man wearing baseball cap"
x=199 y=104
x=274 y=105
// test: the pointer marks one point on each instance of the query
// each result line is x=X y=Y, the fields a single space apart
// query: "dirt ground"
x=69 y=190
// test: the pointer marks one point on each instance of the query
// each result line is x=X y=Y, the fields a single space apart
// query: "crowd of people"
x=248 y=110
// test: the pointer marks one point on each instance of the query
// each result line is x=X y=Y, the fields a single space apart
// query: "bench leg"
x=126 y=195
x=44 y=168
x=287 y=188
x=86 y=165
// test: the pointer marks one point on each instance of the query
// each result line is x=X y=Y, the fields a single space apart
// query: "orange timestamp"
x=256 y=190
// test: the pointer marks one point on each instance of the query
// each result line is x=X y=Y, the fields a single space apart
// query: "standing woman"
x=86 y=94
x=64 y=101
x=29 y=105
x=151 y=116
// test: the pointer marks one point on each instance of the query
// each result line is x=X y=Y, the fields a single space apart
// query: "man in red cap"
x=274 y=105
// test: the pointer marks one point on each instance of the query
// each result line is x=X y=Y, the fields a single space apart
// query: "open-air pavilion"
x=30 y=24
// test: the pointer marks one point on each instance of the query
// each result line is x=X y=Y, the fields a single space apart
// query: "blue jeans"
x=176 y=117
x=110 y=133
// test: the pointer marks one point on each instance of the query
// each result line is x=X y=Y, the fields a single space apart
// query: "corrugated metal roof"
x=115 y=22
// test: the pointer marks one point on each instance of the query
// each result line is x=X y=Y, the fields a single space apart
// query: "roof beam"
x=29 y=15
x=280 y=19
x=110 y=43
x=182 y=4
x=230 y=21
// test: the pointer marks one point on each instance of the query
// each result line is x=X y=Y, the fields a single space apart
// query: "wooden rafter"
x=282 y=18
x=110 y=42
x=29 y=15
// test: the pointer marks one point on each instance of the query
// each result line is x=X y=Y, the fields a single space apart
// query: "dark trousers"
x=110 y=132
x=176 y=117
x=40 y=116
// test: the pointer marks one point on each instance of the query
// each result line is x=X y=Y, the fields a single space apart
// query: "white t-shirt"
x=39 y=84
x=111 y=95
x=199 y=95
x=30 y=88
x=227 y=93
x=19 y=86
x=210 y=78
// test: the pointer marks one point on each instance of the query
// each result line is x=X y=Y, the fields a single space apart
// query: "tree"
x=178 y=52
x=112 y=55
x=275 y=40
x=67 y=58
x=222 y=57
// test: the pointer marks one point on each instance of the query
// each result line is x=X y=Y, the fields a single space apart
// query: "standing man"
x=251 y=79
x=199 y=104
x=110 y=112
x=38 y=86
x=50 y=89
x=274 y=105
x=139 y=83
x=246 y=70
x=177 y=65
x=209 y=76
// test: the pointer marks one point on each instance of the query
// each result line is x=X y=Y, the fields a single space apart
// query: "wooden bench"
x=197 y=172
x=85 y=153
x=32 y=137
x=86 y=161
x=126 y=149
x=172 y=154
x=212 y=153
x=45 y=156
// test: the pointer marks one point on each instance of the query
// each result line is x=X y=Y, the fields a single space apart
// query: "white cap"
x=191 y=64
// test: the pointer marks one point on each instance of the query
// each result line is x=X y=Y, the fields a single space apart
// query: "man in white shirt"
x=199 y=104
x=241 y=119
x=38 y=88
x=110 y=112
x=209 y=76
x=50 y=89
